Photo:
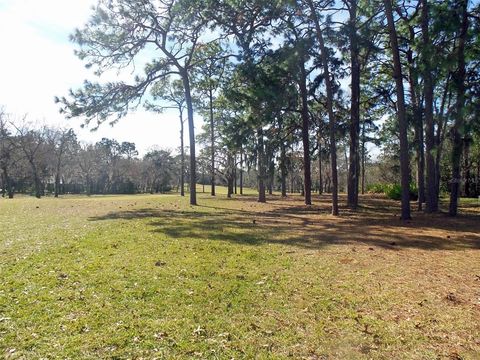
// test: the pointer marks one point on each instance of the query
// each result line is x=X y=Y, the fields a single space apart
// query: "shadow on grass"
x=286 y=222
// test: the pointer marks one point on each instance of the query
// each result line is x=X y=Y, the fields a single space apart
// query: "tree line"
x=42 y=160
x=46 y=160
x=271 y=76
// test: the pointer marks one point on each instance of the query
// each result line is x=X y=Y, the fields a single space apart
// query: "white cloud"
x=37 y=63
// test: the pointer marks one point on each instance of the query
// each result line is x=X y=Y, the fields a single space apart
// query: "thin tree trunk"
x=363 y=158
x=431 y=189
x=8 y=184
x=354 y=166
x=305 y=136
x=212 y=142
x=261 y=166
x=230 y=174
x=191 y=130
x=235 y=175
x=331 y=115
x=88 y=185
x=440 y=136
x=345 y=156
x=57 y=183
x=418 y=129
x=38 y=187
x=401 y=113
x=4 y=184
x=271 y=176
x=241 y=171
x=283 y=170
x=477 y=182
x=182 y=155
x=320 y=175
x=466 y=167
x=459 y=79
x=36 y=180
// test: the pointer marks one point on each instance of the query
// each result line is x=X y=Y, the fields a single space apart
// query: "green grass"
x=148 y=276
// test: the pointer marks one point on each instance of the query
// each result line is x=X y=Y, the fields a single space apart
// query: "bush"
x=376 y=188
x=394 y=192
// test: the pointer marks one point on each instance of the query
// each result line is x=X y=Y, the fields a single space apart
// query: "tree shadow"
x=288 y=222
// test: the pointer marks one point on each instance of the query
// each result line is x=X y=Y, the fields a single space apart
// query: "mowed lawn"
x=148 y=276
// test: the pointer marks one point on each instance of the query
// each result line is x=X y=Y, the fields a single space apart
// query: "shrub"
x=394 y=192
x=376 y=188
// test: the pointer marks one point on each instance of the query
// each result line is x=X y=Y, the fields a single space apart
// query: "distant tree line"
x=46 y=160
x=43 y=160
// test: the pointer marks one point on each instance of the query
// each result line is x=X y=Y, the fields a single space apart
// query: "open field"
x=148 y=276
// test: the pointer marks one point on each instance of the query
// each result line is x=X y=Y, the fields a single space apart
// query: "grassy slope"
x=150 y=276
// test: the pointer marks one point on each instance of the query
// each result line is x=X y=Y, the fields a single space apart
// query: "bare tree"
x=62 y=143
x=32 y=144
x=7 y=155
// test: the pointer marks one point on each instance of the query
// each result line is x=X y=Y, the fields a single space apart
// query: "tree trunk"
x=191 y=130
x=36 y=180
x=354 y=166
x=88 y=186
x=230 y=174
x=345 y=157
x=320 y=175
x=401 y=113
x=440 y=135
x=477 y=180
x=4 y=185
x=38 y=186
x=212 y=142
x=261 y=166
x=241 y=172
x=305 y=136
x=466 y=168
x=235 y=174
x=431 y=188
x=8 y=184
x=331 y=115
x=459 y=80
x=420 y=163
x=182 y=155
x=57 y=183
x=283 y=170
x=418 y=128
x=271 y=176
x=363 y=157
x=230 y=187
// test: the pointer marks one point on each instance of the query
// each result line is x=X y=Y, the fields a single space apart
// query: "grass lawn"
x=148 y=276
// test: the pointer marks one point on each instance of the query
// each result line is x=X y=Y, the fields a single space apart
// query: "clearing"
x=148 y=276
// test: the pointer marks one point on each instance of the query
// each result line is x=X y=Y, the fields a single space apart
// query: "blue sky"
x=37 y=63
